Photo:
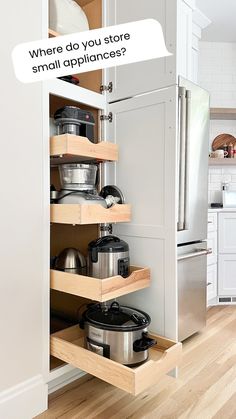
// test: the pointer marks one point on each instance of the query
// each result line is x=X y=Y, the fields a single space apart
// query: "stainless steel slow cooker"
x=108 y=256
x=117 y=332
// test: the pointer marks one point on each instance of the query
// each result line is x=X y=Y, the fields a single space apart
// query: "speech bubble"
x=90 y=50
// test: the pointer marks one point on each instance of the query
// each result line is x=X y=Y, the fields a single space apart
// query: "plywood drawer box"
x=68 y=345
x=89 y=214
x=68 y=148
x=100 y=289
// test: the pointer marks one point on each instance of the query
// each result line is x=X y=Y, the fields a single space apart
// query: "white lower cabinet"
x=212 y=259
x=211 y=282
x=212 y=244
x=227 y=275
x=227 y=254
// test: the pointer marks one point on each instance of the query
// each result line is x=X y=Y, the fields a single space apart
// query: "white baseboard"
x=25 y=400
x=62 y=376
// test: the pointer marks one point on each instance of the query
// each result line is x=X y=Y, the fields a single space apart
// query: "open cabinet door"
x=144 y=128
x=132 y=79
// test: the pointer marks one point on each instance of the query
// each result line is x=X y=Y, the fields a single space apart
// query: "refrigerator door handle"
x=200 y=252
x=182 y=157
x=187 y=160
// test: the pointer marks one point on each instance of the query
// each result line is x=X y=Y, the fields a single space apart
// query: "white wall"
x=21 y=221
x=217 y=74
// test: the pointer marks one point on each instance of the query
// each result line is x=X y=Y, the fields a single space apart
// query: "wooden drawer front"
x=212 y=244
x=211 y=282
x=89 y=214
x=212 y=221
x=227 y=275
x=100 y=289
x=68 y=345
x=227 y=232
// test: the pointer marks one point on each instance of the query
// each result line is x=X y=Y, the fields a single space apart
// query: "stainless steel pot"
x=118 y=333
x=78 y=177
x=108 y=256
x=70 y=260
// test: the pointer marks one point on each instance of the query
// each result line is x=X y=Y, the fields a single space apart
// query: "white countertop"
x=222 y=209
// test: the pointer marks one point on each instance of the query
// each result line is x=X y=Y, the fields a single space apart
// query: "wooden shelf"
x=68 y=345
x=100 y=289
x=223 y=113
x=222 y=162
x=67 y=148
x=89 y=214
x=52 y=33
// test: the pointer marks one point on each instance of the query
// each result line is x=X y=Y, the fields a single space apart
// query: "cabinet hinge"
x=108 y=117
x=106 y=88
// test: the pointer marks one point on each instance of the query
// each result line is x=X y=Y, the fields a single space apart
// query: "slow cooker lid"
x=116 y=317
x=108 y=244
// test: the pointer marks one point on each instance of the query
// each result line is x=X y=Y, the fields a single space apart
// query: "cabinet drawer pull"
x=210 y=222
x=209 y=283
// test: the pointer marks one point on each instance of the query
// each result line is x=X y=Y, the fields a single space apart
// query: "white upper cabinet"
x=182 y=25
x=174 y=16
x=199 y=23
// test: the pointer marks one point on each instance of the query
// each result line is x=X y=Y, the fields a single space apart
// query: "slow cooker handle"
x=144 y=343
x=106 y=239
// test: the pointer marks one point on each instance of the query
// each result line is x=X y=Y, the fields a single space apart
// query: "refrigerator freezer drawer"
x=192 y=277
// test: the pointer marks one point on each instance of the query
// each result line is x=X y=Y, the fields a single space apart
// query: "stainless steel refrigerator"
x=192 y=207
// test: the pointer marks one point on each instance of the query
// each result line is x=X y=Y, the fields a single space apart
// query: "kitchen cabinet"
x=227 y=232
x=212 y=243
x=226 y=276
x=199 y=23
x=145 y=129
x=182 y=24
x=148 y=180
x=211 y=282
x=227 y=254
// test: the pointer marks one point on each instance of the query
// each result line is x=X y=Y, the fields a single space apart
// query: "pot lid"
x=116 y=317
x=108 y=244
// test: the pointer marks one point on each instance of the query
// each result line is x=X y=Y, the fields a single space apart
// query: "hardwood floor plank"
x=205 y=389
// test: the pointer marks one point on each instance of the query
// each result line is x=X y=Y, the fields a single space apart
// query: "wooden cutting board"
x=222 y=139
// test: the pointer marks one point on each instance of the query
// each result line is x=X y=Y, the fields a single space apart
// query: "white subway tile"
x=216 y=186
x=226 y=178
x=215 y=171
x=229 y=170
x=215 y=178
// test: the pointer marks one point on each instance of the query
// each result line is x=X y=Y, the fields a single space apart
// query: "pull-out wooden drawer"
x=100 y=289
x=68 y=345
x=89 y=214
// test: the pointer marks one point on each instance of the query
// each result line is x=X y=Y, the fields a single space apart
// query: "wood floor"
x=205 y=389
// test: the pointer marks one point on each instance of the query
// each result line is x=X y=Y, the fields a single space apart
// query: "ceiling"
x=222 y=14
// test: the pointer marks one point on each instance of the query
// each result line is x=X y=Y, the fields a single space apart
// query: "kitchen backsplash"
x=217 y=74
x=217 y=176
x=217 y=64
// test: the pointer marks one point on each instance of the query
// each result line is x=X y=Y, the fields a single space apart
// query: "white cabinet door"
x=227 y=232
x=211 y=282
x=227 y=275
x=212 y=244
x=184 y=40
x=132 y=79
x=144 y=127
x=212 y=221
